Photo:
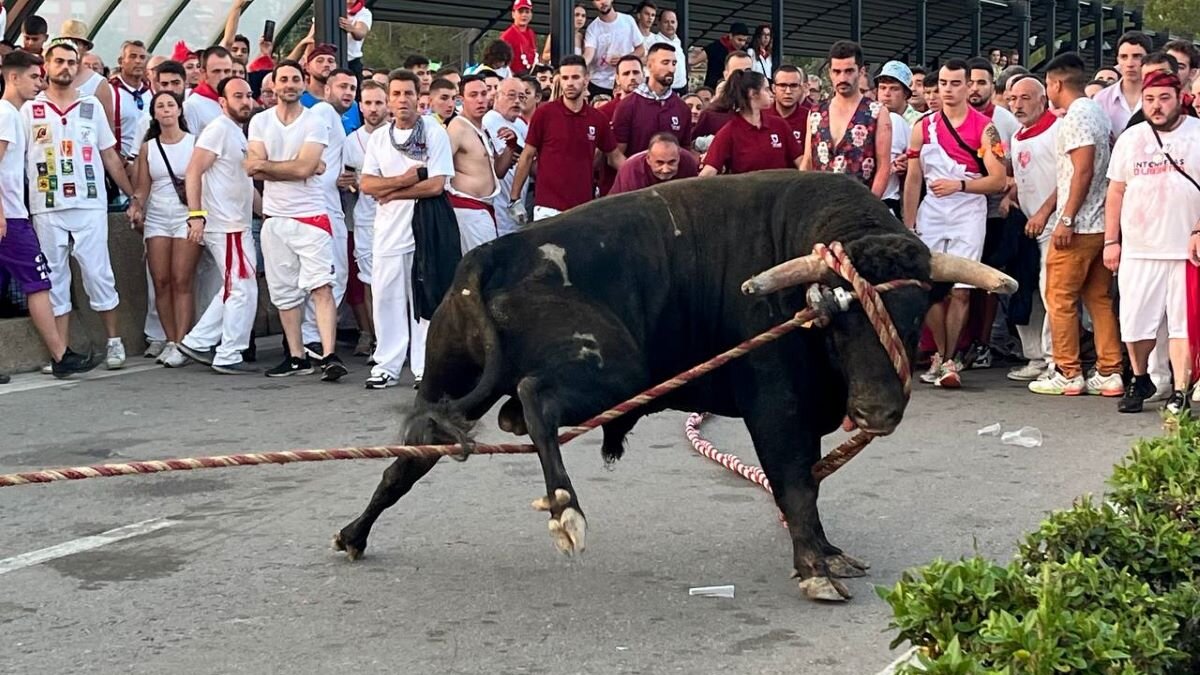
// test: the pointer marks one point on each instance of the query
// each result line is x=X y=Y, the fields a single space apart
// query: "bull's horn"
x=794 y=272
x=954 y=269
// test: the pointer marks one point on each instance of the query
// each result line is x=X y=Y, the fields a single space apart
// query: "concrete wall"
x=22 y=350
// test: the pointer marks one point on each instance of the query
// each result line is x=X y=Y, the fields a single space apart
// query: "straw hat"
x=77 y=31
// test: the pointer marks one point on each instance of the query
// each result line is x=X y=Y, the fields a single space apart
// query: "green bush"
x=1105 y=587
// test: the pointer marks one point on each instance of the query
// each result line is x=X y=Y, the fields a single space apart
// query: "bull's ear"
x=884 y=257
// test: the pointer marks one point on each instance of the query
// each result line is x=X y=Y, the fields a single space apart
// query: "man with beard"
x=629 y=77
x=565 y=134
x=849 y=133
x=131 y=102
x=88 y=82
x=477 y=165
x=789 y=103
x=653 y=107
x=284 y=151
x=662 y=161
x=610 y=37
x=506 y=115
x=320 y=64
x=70 y=146
x=981 y=95
x=1033 y=166
x=668 y=27
x=959 y=167
x=202 y=106
x=917 y=105
x=1121 y=101
x=1151 y=211
x=407 y=160
x=892 y=91
x=375 y=114
x=220 y=207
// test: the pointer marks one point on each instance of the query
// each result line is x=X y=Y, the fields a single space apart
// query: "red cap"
x=523 y=4
x=322 y=49
x=1160 y=78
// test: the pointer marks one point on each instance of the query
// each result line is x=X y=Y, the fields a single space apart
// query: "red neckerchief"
x=727 y=41
x=206 y=91
x=355 y=7
x=1043 y=123
x=988 y=110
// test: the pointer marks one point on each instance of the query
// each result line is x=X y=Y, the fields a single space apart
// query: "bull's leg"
x=567 y=525
x=397 y=480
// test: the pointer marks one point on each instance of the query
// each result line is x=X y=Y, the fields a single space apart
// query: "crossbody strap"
x=170 y=172
x=1172 y=159
x=973 y=152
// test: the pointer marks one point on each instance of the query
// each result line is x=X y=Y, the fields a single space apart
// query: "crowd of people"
x=335 y=183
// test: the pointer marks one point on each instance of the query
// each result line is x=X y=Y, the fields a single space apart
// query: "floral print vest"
x=854 y=153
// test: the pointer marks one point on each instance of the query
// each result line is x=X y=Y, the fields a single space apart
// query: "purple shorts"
x=21 y=256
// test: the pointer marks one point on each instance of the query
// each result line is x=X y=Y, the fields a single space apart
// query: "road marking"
x=82 y=544
x=35 y=381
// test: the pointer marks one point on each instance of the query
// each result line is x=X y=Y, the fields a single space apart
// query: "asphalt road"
x=461 y=576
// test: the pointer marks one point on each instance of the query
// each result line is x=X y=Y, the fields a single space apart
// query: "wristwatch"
x=1067 y=221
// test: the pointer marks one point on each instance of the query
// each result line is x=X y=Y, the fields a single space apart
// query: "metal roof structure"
x=905 y=29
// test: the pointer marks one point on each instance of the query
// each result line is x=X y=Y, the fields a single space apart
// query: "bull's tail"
x=481 y=337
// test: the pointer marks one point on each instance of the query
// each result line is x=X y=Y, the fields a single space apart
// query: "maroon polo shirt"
x=740 y=148
x=566 y=143
x=710 y=123
x=635 y=173
x=605 y=175
x=798 y=120
x=638 y=118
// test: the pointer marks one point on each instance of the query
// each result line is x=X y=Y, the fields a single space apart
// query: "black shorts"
x=894 y=205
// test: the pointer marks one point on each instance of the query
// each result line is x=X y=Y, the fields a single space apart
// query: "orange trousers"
x=1074 y=274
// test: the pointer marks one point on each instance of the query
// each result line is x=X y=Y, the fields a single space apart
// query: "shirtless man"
x=477 y=166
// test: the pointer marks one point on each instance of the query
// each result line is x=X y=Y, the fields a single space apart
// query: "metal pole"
x=856 y=20
x=684 y=28
x=1119 y=15
x=1021 y=7
x=562 y=27
x=976 y=10
x=326 y=13
x=1073 y=18
x=922 y=29
x=1097 y=34
x=777 y=34
x=1051 y=36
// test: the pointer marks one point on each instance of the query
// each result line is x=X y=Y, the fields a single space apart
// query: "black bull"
x=581 y=312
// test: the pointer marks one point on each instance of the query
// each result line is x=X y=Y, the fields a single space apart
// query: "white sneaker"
x=1059 y=385
x=172 y=357
x=115 y=357
x=935 y=370
x=154 y=348
x=48 y=369
x=1028 y=372
x=1164 y=390
x=1106 y=385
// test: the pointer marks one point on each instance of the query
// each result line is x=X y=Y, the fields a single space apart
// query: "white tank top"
x=88 y=88
x=163 y=208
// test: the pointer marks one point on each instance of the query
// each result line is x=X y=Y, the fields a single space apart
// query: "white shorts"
x=961 y=243
x=476 y=227
x=544 y=212
x=298 y=258
x=161 y=229
x=83 y=234
x=1150 y=289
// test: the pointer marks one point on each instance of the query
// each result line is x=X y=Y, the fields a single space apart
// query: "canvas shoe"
x=1105 y=385
x=1059 y=385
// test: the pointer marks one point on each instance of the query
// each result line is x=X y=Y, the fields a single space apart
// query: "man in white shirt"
x=608 y=38
x=131 y=95
x=644 y=13
x=20 y=256
x=373 y=102
x=284 y=150
x=220 y=207
x=202 y=106
x=892 y=89
x=1152 y=210
x=70 y=147
x=668 y=24
x=1074 y=264
x=506 y=114
x=356 y=23
x=406 y=160
x=1034 y=165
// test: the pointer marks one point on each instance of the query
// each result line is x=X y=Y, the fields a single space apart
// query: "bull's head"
x=876 y=399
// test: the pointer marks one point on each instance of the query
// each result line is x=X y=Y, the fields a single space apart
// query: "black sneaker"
x=250 y=354
x=5 y=378
x=417 y=383
x=204 y=356
x=291 y=366
x=332 y=368
x=1178 y=403
x=73 y=363
x=1137 y=391
x=314 y=350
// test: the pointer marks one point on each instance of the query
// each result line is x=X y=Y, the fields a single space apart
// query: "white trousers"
x=1035 y=337
x=229 y=318
x=83 y=234
x=341 y=274
x=544 y=212
x=397 y=327
x=475 y=228
x=153 y=328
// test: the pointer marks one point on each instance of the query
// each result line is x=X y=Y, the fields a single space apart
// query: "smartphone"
x=269 y=30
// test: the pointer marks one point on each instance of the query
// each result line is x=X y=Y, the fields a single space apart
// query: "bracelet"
x=1195 y=232
x=197 y=213
x=1111 y=243
x=422 y=173
x=963 y=185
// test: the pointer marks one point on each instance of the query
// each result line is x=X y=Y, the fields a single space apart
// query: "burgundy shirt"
x=567 y=143
x=798 y=120
x=605 y=175
x=710 y=123
x=740 y=148
x=638 y=118
x=635 y=173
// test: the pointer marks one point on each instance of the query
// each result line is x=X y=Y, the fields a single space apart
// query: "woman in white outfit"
x=171 y=251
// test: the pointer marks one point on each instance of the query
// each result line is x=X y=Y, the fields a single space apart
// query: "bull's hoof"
x=843 y=566
x=561 y=499
x=568 y=531
x=824 y=589
x=352 y=552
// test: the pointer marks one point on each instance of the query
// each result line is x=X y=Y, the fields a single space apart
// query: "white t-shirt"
x=354 y=47
x=63 y=156
x=493 y=122
x=199 y=111
x=228 y=193
x=393 y=220
x=139 y=134
x=1034 y=165
x=1161 y=207
x=12 y=168
x=616 y=38
x=332 y=156
x=681 y=68
x=1084 y=124
x=90 y=85
x=295 y=198
x=761 y=65
x=354 y=155
x=901 y=134
x=164 y=207
x=125 y=101
x=1006 y=123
